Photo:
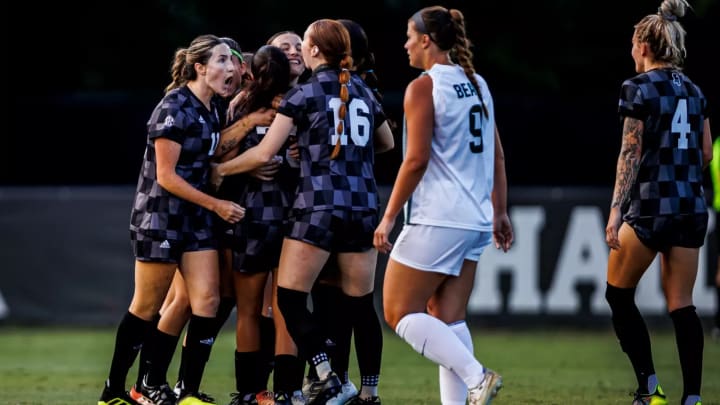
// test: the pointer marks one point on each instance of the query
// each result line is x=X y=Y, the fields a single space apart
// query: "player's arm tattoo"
x=629 y=161
x=231 y=136
x=227 y=146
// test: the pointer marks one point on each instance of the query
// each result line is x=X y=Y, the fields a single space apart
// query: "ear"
x=200 y=69
x=314 y=51
x=425 y=40
x=644 y=49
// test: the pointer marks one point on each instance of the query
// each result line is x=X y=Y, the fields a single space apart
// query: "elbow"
x=164 y=179
x=416 y=165
x=263 y=157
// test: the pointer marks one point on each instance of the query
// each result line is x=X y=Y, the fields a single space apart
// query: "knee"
x=445 y=313
x=145 y=307
x=392 y=317
x=619 y=297
x=180 y=300
x=205 y=303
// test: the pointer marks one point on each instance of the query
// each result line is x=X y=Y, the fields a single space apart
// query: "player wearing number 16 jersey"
x=340 y=126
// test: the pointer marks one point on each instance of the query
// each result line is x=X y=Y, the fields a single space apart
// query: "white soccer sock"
x=453 y=390
x=435 y=340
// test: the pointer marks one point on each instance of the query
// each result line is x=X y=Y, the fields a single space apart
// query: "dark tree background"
x=83 y=77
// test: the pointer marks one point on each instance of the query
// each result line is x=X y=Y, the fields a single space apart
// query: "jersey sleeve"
x=293 y=104
x=632 y=103
x=168 y=121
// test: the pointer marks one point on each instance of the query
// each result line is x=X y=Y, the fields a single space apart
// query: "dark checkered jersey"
x=268 y=200
x=348 y=181
x=670 y=177
x=182 y=118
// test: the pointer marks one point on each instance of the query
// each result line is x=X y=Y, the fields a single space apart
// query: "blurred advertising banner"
x=66 y=258
x=558 y=263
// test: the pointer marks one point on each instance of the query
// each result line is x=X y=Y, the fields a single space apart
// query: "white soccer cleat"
x=488 y=388
x=348 y=392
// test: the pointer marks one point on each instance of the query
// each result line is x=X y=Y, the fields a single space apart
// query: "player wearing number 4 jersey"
x=658 y=204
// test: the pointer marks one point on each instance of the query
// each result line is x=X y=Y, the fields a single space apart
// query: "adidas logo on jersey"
x=165 y=245
x=169 y=121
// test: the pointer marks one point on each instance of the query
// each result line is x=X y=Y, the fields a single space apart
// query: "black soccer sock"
x=368 y=336
x=342 y=320
x=223 y=313
x=267 y=347
x=689 y=339
x=183 y=363
x=162 y=348
x=311 y=372
x=199 y=340
x=631 y=331
x=144 y=355
x=131 y=334
x=288 y=374
x=247 y=379
x=326 y=312
x=300 y=324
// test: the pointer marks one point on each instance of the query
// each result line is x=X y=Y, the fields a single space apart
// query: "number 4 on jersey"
x=680 y=123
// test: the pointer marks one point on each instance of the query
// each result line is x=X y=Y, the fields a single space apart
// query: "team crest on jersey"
x=677 y=80
x=169 y=121
x=201 y=120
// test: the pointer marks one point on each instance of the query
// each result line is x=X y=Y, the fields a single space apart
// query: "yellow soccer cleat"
x=656 y=398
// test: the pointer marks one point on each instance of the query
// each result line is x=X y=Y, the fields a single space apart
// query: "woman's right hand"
x=381 y=238
x=262 y=117
x=613 y=228
x=267 y=171
x=230 y=211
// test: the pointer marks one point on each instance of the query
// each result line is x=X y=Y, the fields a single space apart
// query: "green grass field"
x=62 y=366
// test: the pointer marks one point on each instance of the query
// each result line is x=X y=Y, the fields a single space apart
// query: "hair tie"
x=668 y=17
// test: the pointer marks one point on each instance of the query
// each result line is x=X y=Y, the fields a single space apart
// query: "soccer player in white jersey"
x=453 y=186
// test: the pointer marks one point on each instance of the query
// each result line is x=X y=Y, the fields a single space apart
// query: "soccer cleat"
x=656 y=398
x=157 y=395
x=347 y=392
x=138 y=397
x=307 y=383
x=115 y=398
x=298 y=399
x=322 y=391
x=265 y=398
x=237 y=398
x=484 y=393
x=281 y=398
x=364 y=401
x=180 y=393
x=196 y=399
